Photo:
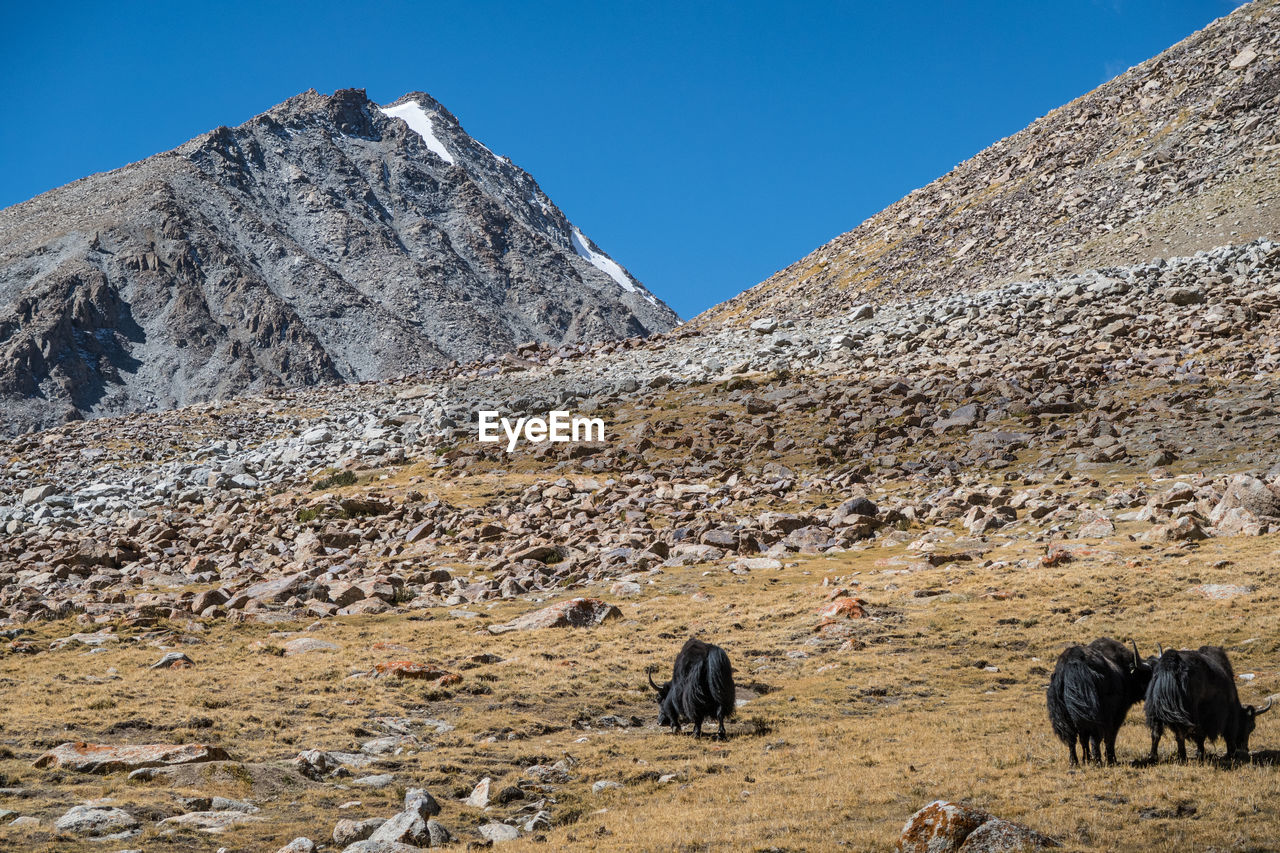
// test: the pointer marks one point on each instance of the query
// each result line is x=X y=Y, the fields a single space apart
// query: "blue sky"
x=703 y=145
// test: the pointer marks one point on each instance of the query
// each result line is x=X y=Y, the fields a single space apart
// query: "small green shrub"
x=334 y=481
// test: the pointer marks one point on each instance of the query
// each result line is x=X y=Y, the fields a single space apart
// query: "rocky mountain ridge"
x=326 y=240
x=1178 y=154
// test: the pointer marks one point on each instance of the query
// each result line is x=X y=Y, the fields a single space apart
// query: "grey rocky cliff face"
x=323 y=241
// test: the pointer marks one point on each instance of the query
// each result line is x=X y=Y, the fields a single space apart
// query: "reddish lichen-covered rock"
x=843 y=608
x=940 y=827
x=416 y=671
x=944 y=827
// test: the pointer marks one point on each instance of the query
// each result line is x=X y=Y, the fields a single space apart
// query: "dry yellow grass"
x=843 y=745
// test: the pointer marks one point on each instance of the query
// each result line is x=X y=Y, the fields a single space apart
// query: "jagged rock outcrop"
x=326 y=240
x=1176 y=155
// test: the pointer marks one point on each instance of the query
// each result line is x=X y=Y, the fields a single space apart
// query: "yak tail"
x=1082 y=690
x=1166 y=700
x=720 y=681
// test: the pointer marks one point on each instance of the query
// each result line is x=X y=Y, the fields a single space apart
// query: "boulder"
x=1185 y=296
x=1250 y=495
x=480 y=794
x=574 y=613
x=305 y=645
x=101 y=758
x=1002 y=836
x=1096 y=526
x=499 y=832
x=420 y=802
x=279 y=589
x=371 y=846
x=299 y=845
x=853 y=509
x=945 y=827
x=408 y=669
x=410 y=827
x=36 y=494
x=173 y=660
x=1183 y=529
x=212 y=822
x=96 y=821
x=347 y=831
x=939 y=827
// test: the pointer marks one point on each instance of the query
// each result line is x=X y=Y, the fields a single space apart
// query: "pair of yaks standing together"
x=1191 y=693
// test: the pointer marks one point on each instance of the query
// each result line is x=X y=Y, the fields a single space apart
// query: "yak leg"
x=1155 y=743
x=1111 y=748
x=1071 y=745
x=1200 y=749
x=697 y=727
x=1182 y=748
x=720 y=735
x=1095 y=749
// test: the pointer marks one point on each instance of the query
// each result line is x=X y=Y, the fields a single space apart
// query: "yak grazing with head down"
x=1090 y=693
x=701 y=686
x=1194 y=695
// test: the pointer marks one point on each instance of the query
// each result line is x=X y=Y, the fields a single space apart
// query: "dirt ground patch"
x=939 y=692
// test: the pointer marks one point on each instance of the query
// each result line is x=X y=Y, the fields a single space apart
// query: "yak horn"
x=1264 y=709
x=651 y=684
x=1159 y=650
x=1137 y=658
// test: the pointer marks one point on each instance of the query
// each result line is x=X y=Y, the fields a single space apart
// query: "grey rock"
x=211 y=821
x=1249 y=494
x=170 y=659
x=1001 y=836
x=347 y=831
x=36 y=494
x=499 y=832
x=420 y=802
x=409 y=827
x=479 y=797
x=376 y=780
x=1185 y=296
x=299 y=845
x=96 y=821
x=371 y=846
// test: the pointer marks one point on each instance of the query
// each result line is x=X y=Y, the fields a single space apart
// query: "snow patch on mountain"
x=605 y=264
x=419 y=121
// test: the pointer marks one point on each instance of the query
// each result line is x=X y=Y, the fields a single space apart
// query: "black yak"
x=1090 y=693
x=701 y=686
x=1193 y=694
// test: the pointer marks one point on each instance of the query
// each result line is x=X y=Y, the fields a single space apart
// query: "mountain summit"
x=329 y=239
